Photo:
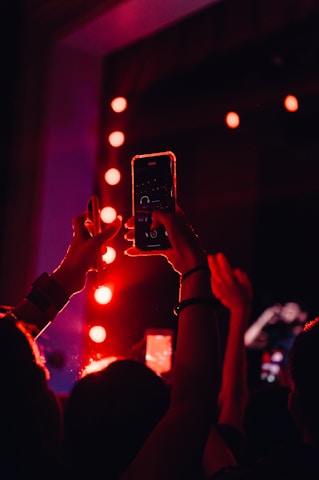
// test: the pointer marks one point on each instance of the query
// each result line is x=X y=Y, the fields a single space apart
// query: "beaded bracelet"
x=196 y=301
x=193 y=270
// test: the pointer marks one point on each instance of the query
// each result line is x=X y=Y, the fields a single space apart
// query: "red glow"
x=232 y=120
x=116 y=139
x=119 y=104
x=103 y=295
x=97 y=334
x=110 y=255
x=158 y=354
x=97 y=365
x=291 y=103
x=112 y=176
x=108 y=214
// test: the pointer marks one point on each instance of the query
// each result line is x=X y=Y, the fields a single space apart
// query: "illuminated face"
x=290 y=312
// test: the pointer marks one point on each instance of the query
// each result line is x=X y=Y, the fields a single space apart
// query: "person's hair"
x=108 y=417
x=30 y=415
x=303 y=370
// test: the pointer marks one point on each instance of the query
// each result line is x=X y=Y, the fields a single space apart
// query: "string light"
x=116 y=139
x=112 y=176
x=291 y=103
x=119 y=104
x=232 y=120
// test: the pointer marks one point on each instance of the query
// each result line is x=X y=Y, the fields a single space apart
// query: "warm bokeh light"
x=103 y=295
x=119 y=104
x=110 y=255
x=112 y=176
x=116 y=139
x=108 y=214
x=97 y=334
x=97 y=365
x=232 y=120
x=291 y=103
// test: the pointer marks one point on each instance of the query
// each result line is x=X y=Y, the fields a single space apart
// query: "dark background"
x=252 y=193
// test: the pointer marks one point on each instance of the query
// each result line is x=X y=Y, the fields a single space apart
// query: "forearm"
x=177 y=442
x=255 y=329
x=45 y=300
x=197 y=368
x=234 y=389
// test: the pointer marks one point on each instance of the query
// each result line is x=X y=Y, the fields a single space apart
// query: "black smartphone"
x=93 y=225
x=153 y=187
x=93 y=221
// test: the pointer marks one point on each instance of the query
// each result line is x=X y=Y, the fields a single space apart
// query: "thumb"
x=110 y=231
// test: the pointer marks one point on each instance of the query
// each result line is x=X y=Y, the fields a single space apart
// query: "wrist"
x=195 y=270
x=46 y=292
x=42 y=304
x=70 y=281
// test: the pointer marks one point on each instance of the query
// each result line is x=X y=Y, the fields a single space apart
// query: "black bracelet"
x=47 y=292
x=41 y=302
x=196 y=301
x=195 y=269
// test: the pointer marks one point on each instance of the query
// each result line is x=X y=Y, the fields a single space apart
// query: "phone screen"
x=159 y=350
x=154 y=187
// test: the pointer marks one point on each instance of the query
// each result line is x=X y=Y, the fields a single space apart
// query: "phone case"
x=153 y=187
x=93 y=225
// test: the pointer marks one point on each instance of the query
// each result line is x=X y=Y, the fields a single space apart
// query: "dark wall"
x=253 y=192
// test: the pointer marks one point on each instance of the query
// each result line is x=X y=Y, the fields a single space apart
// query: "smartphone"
x=153 y=187
x=271 y=365
x=159 y=350
x=93 y=225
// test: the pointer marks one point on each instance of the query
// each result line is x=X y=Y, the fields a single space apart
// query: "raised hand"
x=81 y=254
x=231 y=286
x=186 y=251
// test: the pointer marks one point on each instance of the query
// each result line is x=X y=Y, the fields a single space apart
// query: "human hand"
x=82 y=253
x=186 y=251
x=231 y=286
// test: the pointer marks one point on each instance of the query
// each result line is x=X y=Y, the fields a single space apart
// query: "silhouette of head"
x=303 y=370
x=109 y=415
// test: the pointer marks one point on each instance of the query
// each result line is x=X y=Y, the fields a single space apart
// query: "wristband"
x=193 y=270
x=196 y=301
x=47 y=293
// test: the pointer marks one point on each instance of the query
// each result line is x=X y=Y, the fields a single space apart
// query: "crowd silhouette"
x=125 y=422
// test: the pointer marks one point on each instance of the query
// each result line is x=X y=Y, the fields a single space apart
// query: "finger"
x=217 y=272
x=212 y=263
x=242 y=277
x=244 y=280
x=130 y=235
x=135 y=252
x=129 y=223
x=180 y=233
x=225 y=268
x=78 y=224
x=109 y=231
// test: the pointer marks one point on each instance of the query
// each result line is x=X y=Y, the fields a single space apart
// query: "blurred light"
x=232 y=120
x=108 y=214
x=97 y=365
x=291 y=103
x=97 y=334
x=119 y=104
x=116 y=139
x=109 y=256
x=112 y=176
x=277 y=356
x=103 y=295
